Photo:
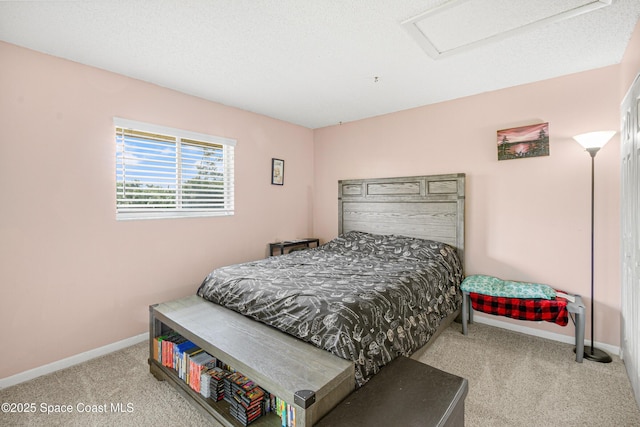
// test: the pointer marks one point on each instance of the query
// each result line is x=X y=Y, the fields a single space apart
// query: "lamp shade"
x=594 y=139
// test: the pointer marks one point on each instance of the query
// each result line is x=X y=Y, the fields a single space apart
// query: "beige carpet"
x=120 y=377
x=520 y=380
x=514 y=380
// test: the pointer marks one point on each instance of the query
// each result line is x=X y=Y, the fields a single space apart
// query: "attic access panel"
x=454 y=27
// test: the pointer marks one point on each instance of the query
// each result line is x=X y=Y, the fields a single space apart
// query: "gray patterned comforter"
x=363 y=297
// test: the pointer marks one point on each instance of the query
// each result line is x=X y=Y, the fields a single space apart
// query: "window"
x=170 y=173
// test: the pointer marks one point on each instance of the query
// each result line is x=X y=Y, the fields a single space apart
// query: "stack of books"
x=284 y=411
x=183 y=356
x=245 y=398
x=170 y=350
x=212 y=383
x=202 y=363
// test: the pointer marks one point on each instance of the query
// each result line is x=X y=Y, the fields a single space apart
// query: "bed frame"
x=428 y=207
x=312 y=380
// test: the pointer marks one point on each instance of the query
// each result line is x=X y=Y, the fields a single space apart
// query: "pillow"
x=488 y=285
x=388 y=246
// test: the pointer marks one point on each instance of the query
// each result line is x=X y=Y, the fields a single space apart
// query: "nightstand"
x=292 y=244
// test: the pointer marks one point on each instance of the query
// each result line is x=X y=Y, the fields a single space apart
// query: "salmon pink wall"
x=526 y=219
x=72 y=278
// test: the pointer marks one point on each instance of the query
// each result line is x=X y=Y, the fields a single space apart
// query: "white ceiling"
x=321 y=62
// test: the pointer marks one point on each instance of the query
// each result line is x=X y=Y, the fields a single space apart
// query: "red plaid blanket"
x=554 y=311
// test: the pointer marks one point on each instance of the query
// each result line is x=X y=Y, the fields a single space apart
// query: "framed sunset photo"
x=523 y=142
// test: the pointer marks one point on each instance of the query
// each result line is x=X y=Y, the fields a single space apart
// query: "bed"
x=364 y=297
x=384 y=287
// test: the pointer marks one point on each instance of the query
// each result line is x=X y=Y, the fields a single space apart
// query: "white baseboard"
x=491 y=321
x=110 y=348
x=70 y=361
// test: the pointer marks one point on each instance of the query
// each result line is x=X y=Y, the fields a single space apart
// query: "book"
x=255 y=394
x=187 y=357
x=157 y=346
x=168 y=344
x=178 y=358
x=197 y=363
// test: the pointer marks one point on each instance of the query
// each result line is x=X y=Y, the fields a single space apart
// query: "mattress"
x=363 y=297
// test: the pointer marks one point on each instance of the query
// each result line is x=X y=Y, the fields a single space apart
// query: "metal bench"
x=576 y=308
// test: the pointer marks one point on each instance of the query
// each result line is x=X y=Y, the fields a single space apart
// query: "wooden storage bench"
x=312 y=380
x=404 y=393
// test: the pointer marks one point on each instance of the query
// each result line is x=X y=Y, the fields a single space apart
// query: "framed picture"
x=522 y=142
x=277 y=172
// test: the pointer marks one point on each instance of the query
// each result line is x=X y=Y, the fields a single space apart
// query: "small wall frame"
x=277 y=171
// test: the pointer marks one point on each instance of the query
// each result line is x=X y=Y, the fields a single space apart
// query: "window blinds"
x=165 y=172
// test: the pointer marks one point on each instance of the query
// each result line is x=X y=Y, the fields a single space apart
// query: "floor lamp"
x=592 y=142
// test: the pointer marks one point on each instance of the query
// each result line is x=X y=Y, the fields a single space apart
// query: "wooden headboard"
x=427 y=207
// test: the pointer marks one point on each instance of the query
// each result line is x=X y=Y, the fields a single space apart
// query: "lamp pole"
x=592 y=353
x=592 y=142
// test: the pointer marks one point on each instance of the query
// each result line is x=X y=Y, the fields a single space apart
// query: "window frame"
x=228 y=150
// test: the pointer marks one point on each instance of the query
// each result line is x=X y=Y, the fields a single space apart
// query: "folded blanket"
x=488 y=285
